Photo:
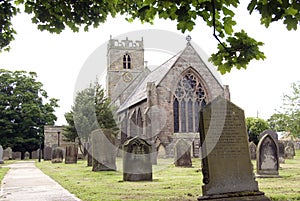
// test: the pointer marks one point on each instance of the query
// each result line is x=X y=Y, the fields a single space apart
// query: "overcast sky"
x=59 y=59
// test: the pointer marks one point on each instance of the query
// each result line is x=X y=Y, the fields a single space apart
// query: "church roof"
x=140 y=92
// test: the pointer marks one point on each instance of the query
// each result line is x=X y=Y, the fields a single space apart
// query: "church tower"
x=125 y=62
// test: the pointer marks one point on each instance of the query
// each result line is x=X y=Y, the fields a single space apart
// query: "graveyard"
x=169 y=182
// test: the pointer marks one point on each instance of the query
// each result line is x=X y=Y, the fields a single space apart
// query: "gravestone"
x=153 y=154
x=226 y=165
x=104 y=150
x=57 y=155
x=7 y=154
x=71 y=154
x=267 y=160
x=252 y=149
x=289 y=151
x=1 y=155
x=182 y=154
x=273 y=134
x=35 y=154
x=281 y=152
x=47 y=153
x=137 y=164
x=16 y=155
x=89 y=150
x=27 y=155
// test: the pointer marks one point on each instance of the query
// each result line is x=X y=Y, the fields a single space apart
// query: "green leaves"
x=7 y=32
x=24 y=109
x=288 y=119
x=238 y=52
x=271 y=11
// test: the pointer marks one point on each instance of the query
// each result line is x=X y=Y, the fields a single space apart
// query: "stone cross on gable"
x=188 y=38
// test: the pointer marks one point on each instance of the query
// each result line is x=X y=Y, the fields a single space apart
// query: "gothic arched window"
x=189 y=97
x=126 y=61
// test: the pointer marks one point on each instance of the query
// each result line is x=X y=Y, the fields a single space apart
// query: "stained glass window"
x=189 y=97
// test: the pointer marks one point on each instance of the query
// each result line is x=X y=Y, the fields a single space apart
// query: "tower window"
x=126 y=61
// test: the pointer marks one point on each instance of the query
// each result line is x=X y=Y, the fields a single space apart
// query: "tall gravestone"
x=104 y=150
x=281 y=152
x=57 y=155
x=252 y=149
x=226 y=165
x=47 y=153
x=137 y=164
x=267 y=160
x=71 y=154
x=182 y=154
x=1 y=155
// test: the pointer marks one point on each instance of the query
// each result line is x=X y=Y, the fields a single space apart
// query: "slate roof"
x=140 y=92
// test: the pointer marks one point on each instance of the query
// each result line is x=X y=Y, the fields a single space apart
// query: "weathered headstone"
x=104 y=150
x=137 y=164
x=226 y=165
x=273 y=134
x=182 y=154
x=16 y=155
x=47 y=153
x=267 y=160
x=27 y=155
x=71 y=154
x=289 y=151
x=1 y=155
x=281 y=152
x=57 y=155
x=7 y=154
x=35 y=154
x=252 y=149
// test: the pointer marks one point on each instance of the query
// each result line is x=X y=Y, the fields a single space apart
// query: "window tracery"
x=188 y=99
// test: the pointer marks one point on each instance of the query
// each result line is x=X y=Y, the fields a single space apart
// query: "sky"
x=60 y=60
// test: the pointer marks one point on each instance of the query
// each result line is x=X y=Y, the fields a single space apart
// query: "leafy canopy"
x=235 y=50
x=256 y=126
x=24 y=110
x=288 y=118
x=91 y=111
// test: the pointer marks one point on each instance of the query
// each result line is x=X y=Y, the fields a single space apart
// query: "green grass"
x=169 y=182
x=4 y=170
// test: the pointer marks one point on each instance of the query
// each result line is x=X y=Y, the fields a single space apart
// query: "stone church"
x=160 y=105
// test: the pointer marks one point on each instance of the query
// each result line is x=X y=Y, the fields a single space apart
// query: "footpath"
x=25 y=182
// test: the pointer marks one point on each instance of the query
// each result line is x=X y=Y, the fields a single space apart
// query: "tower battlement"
x=125 y=44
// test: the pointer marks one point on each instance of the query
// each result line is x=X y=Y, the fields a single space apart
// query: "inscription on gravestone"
x=226 y=165
x=267 y=157
x=137 y=164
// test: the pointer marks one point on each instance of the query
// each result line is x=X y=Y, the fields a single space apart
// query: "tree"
x=91 y=110
x=255 y=126
x=24 y=110
x=288 y=118
x=236 y=50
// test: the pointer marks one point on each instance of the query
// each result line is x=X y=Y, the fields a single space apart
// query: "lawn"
x=169 y=182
